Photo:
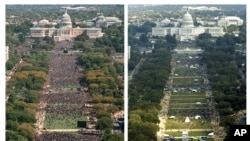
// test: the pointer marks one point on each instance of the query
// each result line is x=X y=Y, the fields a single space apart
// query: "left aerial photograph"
x=64 y=72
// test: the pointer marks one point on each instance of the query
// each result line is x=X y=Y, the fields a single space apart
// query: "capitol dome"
x=66 y=20
x=187 y=20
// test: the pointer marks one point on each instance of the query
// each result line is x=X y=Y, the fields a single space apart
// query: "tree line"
x=145 y=93
x=224 y=65
x=23 y=92
x=101 y=76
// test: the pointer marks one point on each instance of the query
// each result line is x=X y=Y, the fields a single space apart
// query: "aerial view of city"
x=186 y=71
x=64 y=72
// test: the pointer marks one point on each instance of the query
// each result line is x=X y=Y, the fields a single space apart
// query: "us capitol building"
x=65 y=32
x=187 y=30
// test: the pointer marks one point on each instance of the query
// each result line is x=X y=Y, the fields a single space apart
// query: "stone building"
x=65 y=31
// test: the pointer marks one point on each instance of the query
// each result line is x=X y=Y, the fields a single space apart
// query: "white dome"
x=66 y=20
x=187 y=20
x=43 y=22
x=166 y=20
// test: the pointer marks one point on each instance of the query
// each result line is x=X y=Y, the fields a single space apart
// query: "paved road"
x=13 y=71
x=135 y=69
x=60 y=130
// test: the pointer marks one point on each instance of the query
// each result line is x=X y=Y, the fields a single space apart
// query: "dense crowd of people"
x=57 y=136
x=67 y=103
x=59 y=101
x=64 y=70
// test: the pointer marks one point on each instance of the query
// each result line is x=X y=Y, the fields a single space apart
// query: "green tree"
x=204 y=36
x=26 y=130
x=21 y=37
x=104 y=123
x=140 y=137
x=113 y=137
x=11 y=125
x=82 y=37
x=144 y=37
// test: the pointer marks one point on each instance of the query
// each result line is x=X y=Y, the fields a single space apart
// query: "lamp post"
x=153 y=42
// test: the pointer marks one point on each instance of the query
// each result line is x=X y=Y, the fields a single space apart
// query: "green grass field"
x=187 y=81
x=187 y=105
x=62 y=122
x=179 y=123
x=180 y=68
x=187 y=100
x=190 y=133
x=194 y=134
x=197 y=94
x=183 y=104
x=185 y=111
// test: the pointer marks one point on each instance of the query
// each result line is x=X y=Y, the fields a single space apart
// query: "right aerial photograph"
x=186 y=71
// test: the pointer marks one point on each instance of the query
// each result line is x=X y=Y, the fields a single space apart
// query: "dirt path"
x=10 y=75
x=137 y=67
x=164 y=104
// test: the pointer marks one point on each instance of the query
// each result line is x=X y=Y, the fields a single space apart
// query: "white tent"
x=197 y=117
x=211 y=135
x=184 y=134
x=187 y=120
x=166 y=135
x=194 y=90
x=172 y=117
x=198 y=103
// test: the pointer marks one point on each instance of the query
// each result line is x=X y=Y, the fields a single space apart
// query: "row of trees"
x=93 y=60
x=228 y=41
x=228 y=86
x=15 y=34
x=169 y=42
x=13 y=60
x=101 y=77
x=135 y=57
x=46 y=43
x=22 y=90
x=145 y=93
x=143 y=30
x=224 y=65
x=113 y=38
x=23 y=96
